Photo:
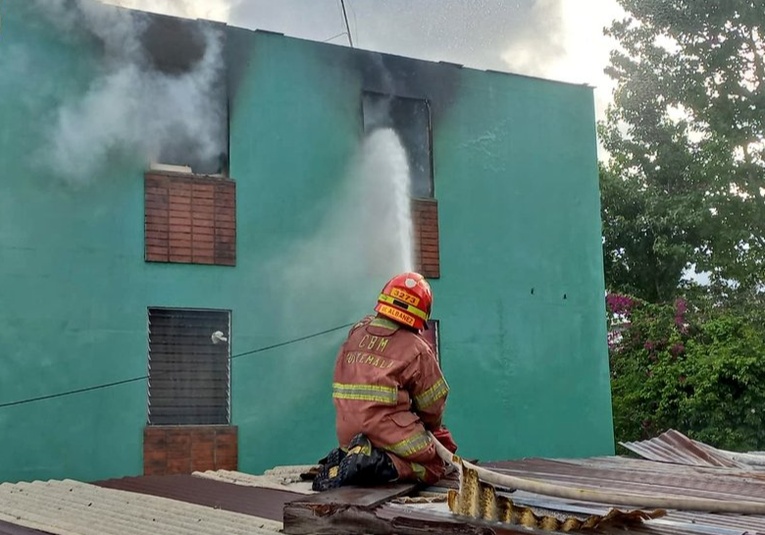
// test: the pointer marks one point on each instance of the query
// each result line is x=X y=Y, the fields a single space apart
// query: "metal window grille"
x=189 y=375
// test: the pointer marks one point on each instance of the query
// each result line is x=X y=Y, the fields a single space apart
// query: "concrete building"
x=171 y=302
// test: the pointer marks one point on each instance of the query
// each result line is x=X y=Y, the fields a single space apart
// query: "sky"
x=556 y=39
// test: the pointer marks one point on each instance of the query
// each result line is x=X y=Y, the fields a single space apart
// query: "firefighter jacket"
x=389 y=386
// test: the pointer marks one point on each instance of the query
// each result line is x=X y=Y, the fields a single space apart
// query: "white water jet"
x=365 y=238
x=334 y=274
x=385 y=185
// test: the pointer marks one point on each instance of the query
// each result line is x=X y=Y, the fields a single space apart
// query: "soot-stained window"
x=184 y=60
x=431 y=335
x=410 y=118
x=189 y=373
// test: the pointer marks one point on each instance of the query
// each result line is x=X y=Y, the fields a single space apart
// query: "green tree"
x=685 y=184
x=699 y=370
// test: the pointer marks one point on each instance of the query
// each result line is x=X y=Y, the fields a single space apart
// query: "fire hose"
x=610 y=497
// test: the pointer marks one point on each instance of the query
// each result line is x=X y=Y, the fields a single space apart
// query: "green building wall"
x=520 y=298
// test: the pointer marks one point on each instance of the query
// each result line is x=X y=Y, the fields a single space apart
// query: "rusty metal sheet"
x=402 y=519
x=673 y=522
x=480 y=501
x=648 y=477
x=12 y=529
x=674 y=447
x=260 y=502
x=664 y=479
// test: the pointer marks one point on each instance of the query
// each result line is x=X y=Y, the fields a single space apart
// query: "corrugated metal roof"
x=649 y=478
x=13 y=529
x=234 y=502
x=478 y=500
x=440 y=521
x=674 y=522
x=70 y=507
x=674 y=447
x=259 y=502
x=287 y=478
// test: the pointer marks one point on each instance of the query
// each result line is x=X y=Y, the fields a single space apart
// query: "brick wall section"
x=186 y=449
x=426 y=243
x=189 y=219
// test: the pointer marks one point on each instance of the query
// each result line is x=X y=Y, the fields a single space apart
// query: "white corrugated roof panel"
x=74 y=508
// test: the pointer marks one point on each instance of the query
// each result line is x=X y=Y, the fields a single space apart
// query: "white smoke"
x=132 y=108
x=366 y=238
x=218 y=10
x=539 y=43
x=562 y=41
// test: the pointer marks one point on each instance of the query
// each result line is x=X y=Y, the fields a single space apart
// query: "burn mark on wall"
x=173 y=46
x=238 y=53
x=405 y=77
x=438 y=83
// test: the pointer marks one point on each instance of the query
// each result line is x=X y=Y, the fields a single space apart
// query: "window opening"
x=410 y=118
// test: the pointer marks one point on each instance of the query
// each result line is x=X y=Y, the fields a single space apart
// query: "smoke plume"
x=540 y=42
x=147 y=100
x=219 y=10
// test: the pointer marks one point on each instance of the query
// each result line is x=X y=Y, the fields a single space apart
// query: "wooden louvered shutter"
x=188 y=373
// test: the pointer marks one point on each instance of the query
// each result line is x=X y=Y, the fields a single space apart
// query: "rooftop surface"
x=280 y=502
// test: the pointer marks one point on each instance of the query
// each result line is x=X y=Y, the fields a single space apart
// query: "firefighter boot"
x=329 y=470
x=365 y=465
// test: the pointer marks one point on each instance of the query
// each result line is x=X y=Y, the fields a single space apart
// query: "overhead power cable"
x=347 y=26
x=145 y=377
x=334 y=37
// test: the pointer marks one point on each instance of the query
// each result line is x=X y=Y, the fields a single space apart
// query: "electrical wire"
x=334 y=37
x=347 y=27
x=145 y=377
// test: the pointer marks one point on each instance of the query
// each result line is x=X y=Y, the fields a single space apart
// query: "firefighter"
x=388 y=392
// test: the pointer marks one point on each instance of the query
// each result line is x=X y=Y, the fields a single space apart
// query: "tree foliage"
x=685 y=184
x=698 y=370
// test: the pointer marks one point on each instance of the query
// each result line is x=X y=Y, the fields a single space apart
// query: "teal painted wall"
x=521 y=294
x=516 y=181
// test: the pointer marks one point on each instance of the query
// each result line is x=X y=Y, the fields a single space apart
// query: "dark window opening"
x=431 y=336
x=410 y=118
x=189 y=372
x=177 y=48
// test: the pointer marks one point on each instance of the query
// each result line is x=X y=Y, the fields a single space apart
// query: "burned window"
x=410 y=118
x=186 y=80
x=189 y=373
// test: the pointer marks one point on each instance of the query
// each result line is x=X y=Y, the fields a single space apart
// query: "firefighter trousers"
x=425 y=466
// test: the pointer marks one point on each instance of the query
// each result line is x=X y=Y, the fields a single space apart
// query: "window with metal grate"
x=189 y=366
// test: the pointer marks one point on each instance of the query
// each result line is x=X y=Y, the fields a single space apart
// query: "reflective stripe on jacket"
x=388 y=385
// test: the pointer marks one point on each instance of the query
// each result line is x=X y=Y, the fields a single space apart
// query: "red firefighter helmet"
x=406 y=299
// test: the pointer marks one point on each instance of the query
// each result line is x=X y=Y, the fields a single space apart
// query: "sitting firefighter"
x=388 y=393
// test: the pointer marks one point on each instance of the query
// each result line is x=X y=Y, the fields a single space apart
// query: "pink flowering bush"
x=677 y=366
